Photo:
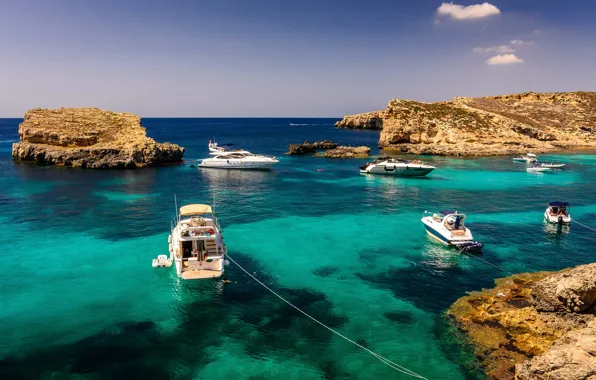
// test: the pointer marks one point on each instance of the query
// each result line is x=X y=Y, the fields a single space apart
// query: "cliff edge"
x=89 y=138
x=534 y=326
x=506 y=124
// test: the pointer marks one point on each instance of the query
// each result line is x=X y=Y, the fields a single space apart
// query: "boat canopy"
x=447 y=212
x=195 y=209
x=531 y=155
x=558 y=204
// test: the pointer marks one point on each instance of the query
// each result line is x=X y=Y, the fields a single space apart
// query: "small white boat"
x=530 y=157
x=196 y=244
x=537 y=169
x=397 y=167
x=553 y=166
x=448 y=227
x=557 y=213
x=236 y=159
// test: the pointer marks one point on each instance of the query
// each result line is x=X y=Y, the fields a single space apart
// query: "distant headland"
x=89 y=138
x=494 y=125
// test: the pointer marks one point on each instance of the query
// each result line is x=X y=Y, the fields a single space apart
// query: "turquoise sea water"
x=81 y=300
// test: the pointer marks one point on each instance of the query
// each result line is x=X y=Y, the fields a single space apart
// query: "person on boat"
x=375 y=161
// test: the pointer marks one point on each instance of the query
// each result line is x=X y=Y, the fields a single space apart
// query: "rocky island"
x=494 y=125
x=533 y=326
x=90 y=138
x=332 y=149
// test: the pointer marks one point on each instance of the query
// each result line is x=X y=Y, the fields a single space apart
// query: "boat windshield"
x=234 y=155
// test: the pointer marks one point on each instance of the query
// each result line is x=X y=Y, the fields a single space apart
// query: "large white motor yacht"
x=448 y=228
x=397 y=167
x=196 y=244
x=236 y=159
x=557 y=213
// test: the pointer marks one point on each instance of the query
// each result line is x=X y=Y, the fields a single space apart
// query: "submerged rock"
x=506 y=328
x=306 y=147
x=89 y=138
x=505 y=124
x=347 y=152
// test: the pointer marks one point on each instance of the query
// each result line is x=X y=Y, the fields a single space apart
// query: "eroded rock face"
x=573 y=357
x=507 y=124
x=504 y=326
x=573 y=290
x=89 y=138
x=348 y=152
x=306 y=147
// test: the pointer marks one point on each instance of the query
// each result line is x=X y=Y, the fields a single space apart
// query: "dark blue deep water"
x=80 y=300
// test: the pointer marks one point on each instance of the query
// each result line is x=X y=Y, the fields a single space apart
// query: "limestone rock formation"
x=573 y=290
x=505 y=328
x=347 y=152
x=367 y=120
x=89 y=138
x=306 y=147
x=573 y=357
x=506 y=124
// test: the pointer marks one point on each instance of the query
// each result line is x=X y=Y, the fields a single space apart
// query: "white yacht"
x=448 y=228
x=196 y=244
x=530 y=157
x=557 y=213
x=236 y=159
x=397 y=167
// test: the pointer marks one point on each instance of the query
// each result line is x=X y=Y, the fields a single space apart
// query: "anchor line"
x=382 y=359
x=583 y=225
x=486 y=262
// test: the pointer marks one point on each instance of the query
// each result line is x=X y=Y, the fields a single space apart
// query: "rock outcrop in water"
x=307 y=148
x=534 y=325
x=347 y=152
x=506 y=124
x=89 y=138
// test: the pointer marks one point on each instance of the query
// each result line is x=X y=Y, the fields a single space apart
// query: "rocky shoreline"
x=533 y=325
x=90 y=138
x=495 y=125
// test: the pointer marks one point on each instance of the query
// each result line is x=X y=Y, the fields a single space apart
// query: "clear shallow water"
x=80 y=298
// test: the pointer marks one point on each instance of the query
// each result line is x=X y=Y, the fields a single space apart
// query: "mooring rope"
x=583 y=225
x=382 y=359
x=486 y=262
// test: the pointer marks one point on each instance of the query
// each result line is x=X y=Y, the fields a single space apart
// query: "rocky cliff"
x=534 y=325
x=89 y=138
x=507 y=124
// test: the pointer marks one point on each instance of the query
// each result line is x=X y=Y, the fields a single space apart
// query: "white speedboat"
x=397 y=167
x=557 y=213
x=448 y=228
x=553 y=166
x=530 y=157
x=196 y=244
x=236 y=159
x=537 y=169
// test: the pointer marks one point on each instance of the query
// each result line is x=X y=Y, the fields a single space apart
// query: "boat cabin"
x=197 y=233
x=558 y=208
x=452 y=221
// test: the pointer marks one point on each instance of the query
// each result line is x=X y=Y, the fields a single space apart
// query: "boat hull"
x=557 y=219
x=407 y=171
x=237 y=165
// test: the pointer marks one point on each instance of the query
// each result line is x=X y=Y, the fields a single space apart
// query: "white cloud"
x=522 y=42
x=437 y=22
x=494 y=49
x=461 y=12
x=503 y=59
x=537 y=31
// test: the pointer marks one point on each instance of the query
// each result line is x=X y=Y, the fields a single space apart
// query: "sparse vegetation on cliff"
x=506 y=124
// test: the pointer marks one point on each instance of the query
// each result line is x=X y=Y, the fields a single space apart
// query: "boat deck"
x=199 y=274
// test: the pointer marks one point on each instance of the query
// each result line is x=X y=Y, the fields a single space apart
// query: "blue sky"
x=286 y=58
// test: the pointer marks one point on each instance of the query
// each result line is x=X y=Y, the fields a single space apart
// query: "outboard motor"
x=470 y=246
x=560 y=220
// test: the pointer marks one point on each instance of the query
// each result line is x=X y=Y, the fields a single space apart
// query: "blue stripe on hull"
x=435 y=234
